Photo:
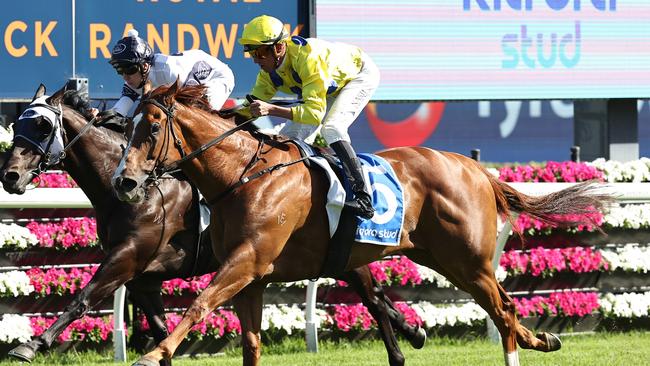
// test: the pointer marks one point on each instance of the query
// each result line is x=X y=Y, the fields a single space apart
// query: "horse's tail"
x=568 y=207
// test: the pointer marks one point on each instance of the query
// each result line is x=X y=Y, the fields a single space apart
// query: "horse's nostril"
x=11 y=177
x=126 y=184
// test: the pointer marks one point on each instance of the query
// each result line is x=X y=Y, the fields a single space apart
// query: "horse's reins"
x=174 y=166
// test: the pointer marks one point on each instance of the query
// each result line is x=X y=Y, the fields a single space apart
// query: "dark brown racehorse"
x=274 y=228
x=148 y=242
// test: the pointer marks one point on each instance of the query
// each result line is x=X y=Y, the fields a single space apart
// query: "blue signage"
x=38 y=42
x=36 y=46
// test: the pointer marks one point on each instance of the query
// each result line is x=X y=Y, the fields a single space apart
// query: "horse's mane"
x=195 y=96
x=190 y=96
x=78 y=102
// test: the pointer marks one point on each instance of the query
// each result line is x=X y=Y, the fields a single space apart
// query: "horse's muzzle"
x=128 y=189
x=11 y=182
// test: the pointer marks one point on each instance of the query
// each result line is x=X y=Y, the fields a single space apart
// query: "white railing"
x=75 y=198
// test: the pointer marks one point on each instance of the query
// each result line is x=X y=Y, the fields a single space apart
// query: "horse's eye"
x=155 y=127
x=44 y=129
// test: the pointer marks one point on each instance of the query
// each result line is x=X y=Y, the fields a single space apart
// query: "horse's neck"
x=219 y=166
x=92 y=159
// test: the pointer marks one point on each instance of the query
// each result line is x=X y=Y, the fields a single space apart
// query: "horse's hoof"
x=419 y=339
x=146 y=362
x=553 y=342
x=24 y=352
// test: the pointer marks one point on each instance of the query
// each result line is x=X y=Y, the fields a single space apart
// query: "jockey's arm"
x=313 y=72
x=261 y=108
x=129 y=96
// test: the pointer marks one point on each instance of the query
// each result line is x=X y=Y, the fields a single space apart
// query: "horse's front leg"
x=116 y=269
x=248 y=304
x=237 y=271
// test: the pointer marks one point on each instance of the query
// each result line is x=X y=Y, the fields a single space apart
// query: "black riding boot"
x=361 y=205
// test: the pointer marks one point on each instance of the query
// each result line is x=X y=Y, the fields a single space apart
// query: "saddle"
x=340 y=244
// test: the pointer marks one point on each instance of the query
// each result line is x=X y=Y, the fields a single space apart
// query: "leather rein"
x=161 y=169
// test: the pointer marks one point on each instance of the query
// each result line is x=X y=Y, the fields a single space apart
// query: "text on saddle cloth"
x=385 y=227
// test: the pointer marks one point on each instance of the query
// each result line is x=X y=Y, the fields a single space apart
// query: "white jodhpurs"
x=342 y=110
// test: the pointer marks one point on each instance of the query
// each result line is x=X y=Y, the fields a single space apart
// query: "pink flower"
x=568 y=303
x=216 y=324
x=88 y=329
x=68 y=233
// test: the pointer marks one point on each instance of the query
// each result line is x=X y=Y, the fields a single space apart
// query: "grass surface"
x=598 y=349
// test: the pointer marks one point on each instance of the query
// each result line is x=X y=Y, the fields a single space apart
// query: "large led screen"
x=497 y=49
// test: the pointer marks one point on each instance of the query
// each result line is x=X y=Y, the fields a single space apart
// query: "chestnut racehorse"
x=275 y=227
x=148 y=242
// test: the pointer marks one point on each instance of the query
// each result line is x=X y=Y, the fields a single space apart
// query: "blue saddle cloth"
x=385 y=227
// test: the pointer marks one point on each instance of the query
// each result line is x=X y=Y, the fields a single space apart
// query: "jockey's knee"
x=332 y=133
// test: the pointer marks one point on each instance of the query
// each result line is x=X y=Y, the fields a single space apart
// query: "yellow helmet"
x=261 y=31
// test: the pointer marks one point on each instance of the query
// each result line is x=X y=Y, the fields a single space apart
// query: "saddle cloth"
x=385 y=227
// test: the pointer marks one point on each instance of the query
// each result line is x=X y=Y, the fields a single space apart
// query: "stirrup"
x=361 y=207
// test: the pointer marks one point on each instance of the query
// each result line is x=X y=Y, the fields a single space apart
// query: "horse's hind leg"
x=545 y=342
x=483 y=286
x=477 y=277
x=372 y=293
x=373 y=298
x=146 y=295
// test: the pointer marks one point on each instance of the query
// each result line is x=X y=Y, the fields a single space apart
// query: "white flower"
x=288 y=318
x=13 y=235
x=15 y=283
x=430 y=276
x=14 y=327
x=631 y=258
x=628 y=216
x=6 y=138
x=631 y=171
x=304 y=283
x=627 y=305
x=437 y=315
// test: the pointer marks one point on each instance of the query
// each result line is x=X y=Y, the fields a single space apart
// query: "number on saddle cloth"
x=386 y=191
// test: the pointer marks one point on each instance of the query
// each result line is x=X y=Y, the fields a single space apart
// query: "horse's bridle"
x=47 y=156
x=161 y=169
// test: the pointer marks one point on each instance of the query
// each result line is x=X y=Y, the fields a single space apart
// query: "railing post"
x=575 y=154
x=476 y=154
x=311 y=327
x=119 y=333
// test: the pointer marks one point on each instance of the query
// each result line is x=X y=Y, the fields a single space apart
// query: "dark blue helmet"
x=131 y=50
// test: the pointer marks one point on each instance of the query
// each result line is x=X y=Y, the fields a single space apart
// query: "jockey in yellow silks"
x=335 y=81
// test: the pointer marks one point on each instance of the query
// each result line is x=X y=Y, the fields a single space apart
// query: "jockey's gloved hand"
x=106 y=115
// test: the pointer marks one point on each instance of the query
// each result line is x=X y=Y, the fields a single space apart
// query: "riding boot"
x=361 y=205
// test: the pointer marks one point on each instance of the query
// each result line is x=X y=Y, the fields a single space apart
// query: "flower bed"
x=347 y=318
x=548 y=261
x=398 y=271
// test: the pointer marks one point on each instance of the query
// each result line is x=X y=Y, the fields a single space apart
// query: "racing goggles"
x=128 y=69
x=257 y=51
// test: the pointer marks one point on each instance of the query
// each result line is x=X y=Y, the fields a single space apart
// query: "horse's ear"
x=39 y=92
x=174 y=87
x=56 y=97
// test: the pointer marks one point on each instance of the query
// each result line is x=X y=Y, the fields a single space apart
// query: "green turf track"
x=597 y=349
